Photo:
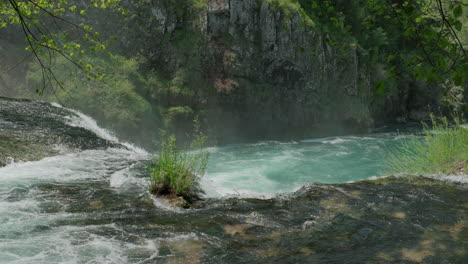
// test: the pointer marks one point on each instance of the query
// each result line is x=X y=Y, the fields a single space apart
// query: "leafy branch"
x=45 y=43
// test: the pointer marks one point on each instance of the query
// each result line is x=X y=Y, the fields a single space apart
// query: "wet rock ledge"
x=32 y=130
x=404 y=220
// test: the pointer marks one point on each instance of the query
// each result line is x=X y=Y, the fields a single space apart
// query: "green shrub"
x=118 y=101
x=177 y=171
x=443 y=148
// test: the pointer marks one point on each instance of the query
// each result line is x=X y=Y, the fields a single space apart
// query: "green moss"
x=179 y=112
x=413 y=180
x=187 y=10
x=290 y=7
x=199 y=3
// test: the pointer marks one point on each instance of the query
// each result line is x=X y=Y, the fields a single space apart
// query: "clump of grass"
x=442 y=149
x=177 y=171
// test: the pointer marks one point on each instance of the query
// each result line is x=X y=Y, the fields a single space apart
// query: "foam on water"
x=35 y=226
x=462 y=178
x=75 y=244
x=85 y=121
x=28 y=214
x=160 y=203
x=268 y=168
x=335 y=141
x=125 y=178
x=82 y=120
x=85 y=165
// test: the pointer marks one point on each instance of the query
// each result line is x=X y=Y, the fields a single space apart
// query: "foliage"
x=435 y=27
x=442 y=149
x=117 y=99
x=39 y=20
x=177 y=171
x=423 y=39
x=394 y=42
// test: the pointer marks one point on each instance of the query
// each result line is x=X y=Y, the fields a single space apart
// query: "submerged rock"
x=405 y=219
x=181 y=201
x=32 y=130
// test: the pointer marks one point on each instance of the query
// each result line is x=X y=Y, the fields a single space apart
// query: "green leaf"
x=380 y=90
x=457 y=25
x=458 y=11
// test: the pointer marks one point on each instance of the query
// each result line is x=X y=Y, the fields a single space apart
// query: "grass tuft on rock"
x=442 y=149
x=177 y=171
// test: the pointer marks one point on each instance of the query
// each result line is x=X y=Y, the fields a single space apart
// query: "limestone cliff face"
x=255 y=69
x=252 y=69
x=287 y=77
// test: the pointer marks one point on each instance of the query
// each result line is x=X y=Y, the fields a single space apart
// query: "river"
x=284 y=202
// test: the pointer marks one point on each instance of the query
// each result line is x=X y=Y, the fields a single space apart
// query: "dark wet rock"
x=362 y=234
x=391 y=220
x=177 y=201
x=32 y=130
x=181 y=201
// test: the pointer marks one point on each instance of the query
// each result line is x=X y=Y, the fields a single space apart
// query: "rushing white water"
x=85 y=121
x=46 y=206
x=268 y=168
x=36 y=199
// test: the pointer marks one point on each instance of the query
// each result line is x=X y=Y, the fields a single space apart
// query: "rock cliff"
x=263 y=69
x=253 y=69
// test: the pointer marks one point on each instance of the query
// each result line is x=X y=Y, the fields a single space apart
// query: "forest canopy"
x=50 y=28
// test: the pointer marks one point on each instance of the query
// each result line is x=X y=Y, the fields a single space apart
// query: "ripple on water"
x=268 y=168
x=75 y=244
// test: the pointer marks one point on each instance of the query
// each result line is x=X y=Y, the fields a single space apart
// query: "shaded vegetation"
x=346 y=64
x=443 y=148
x=54 y=28
x=119 y=99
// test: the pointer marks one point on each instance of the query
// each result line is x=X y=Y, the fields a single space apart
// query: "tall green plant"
x=442 y=149
x=177 y=171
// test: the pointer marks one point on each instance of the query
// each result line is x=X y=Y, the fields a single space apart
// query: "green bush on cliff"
x=177 y=171
x=442 y=149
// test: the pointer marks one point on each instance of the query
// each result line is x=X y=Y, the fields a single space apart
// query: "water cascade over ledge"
x=72 y=193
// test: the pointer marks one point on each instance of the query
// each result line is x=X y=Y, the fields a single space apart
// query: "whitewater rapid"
x=93 y=206
x=262 y=169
